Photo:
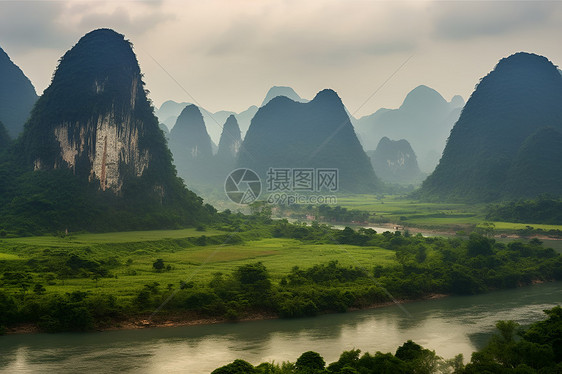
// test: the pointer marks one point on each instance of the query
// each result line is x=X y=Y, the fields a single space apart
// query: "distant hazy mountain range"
x=395 y=161
x=170 y=110
x=318 y=134
x=191 y=145
x=424 y=119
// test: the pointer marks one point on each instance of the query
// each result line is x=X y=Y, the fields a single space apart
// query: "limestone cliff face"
x=95 y=118
x=106 y=143
x=92 y=156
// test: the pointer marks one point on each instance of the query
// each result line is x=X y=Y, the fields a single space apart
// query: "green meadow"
x=452 y=216
x=132 y=255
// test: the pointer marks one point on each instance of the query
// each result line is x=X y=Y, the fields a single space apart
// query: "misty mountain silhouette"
x=230 y=140
x=191 y=146
x=425 y=119
x=317 y=134
x=17 y=96
x=229 y=146
x=282 y=91
x=394 y=161
x=170 y=110
x=487 y=150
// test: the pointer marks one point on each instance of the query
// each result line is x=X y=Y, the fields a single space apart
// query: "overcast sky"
x=227 y=53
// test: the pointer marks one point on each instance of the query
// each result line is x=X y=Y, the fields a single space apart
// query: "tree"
x=421 y=254
x=8 y=310
x=421 y=360
x=347 y=360
x=39 y=289
x=480 y=245
x=158 y=264
x=254 y=282
x=408 y=351
x=253 y=275
x=236 y=367
x=548 y=332
x=453 y=365
x=309 y=362
x=487 y=229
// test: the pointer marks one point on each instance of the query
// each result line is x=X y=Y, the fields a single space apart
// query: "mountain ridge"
x=17 y=96
x=317 y=134
x=92 y=156
x=518 y=97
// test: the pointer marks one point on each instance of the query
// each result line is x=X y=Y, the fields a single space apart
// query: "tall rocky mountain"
x=230 y=140
x=17 y=96
x=317 y=134
x=425 y=119
x=537 y=168
x=191 y=146
x=394 y=161
x=499 y=147
x=165 y=130
x=282 y=91
x=94 y=142
x=229 y=146
x=170 y=110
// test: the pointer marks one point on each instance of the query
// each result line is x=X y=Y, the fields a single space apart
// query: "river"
x=451 y=325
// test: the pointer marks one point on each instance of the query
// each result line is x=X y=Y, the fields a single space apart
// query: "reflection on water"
x=450 y=326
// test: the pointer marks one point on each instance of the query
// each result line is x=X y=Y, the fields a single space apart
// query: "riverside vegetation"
x=245 y=266
x=536 y=349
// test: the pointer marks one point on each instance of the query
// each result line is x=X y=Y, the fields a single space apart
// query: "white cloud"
x=470 y=19
x=228 y=52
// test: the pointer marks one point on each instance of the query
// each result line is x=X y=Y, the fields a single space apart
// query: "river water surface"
x=450 y=326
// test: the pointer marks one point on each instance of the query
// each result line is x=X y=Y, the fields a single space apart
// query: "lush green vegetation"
x=325 y=213
x=501 y=146
x=4 y=138
x=62 y=196
x=404 y=210
x=543 y=210
x=453 y=217
x=537 y=349
x=246 y=266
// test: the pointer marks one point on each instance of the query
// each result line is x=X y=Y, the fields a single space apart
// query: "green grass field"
x=519 y=226
x=112 y=237
x=397 y=209
x=191 y=263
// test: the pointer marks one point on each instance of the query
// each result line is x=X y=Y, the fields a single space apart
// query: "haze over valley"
x=284 y=187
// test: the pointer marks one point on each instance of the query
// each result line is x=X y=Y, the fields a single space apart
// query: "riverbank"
x=191 y=318
x=450 y=325
x=323 y=272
